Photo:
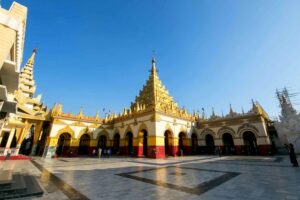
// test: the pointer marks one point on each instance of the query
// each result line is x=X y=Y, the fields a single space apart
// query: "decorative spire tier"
x=154 y=94
x=27 y=103
x=27 y=83
x=155 y=97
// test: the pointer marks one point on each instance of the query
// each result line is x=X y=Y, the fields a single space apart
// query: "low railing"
x=13 y=151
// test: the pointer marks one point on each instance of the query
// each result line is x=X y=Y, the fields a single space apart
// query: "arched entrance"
x=168 y=143
x=144 y=137
x=84 y=145
x=4 y=140
x=210 y=144
x=14 y=142
x=27 y=142
x=250 y=145
x=102 y=142
x=129 y=143
x=63 y=145
x=181 y=143
x=116 y=144
x=194 y=144
x=228 y=144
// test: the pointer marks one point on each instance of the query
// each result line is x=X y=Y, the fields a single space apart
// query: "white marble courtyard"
x=194 y=177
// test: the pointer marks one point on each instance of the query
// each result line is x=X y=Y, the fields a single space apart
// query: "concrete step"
x=5 y=177
x=33 y=188
x=23 y=185
x=14 y=189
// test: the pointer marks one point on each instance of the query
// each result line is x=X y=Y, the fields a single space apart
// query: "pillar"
x=36 y=136
x=156 y=147
x=22 y=134
x=140 y=146
x=50 y=148
x=18 y=133
x=10 y=138
x=238 y=143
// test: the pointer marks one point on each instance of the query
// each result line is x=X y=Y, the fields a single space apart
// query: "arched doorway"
x=102 y=142
x=63 y=145
x=116 y=144
x=27 y=142
x=194 y=144
x=228 y=144
x=144 y=139
x=181 y=145
x=129 y=142
x=14 y=142
x=84 y=145
x=168 y=143
x=210 y=144
x=250 y=145
x=4 y=140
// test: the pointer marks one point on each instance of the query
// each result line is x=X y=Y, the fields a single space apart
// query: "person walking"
x=108 y=152
x=99 y=152
x=293 y=158
x=219 y=151
x=111 y=152
x=104 y=152
x=7 y=157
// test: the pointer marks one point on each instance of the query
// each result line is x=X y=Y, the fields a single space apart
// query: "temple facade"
x=152 y=126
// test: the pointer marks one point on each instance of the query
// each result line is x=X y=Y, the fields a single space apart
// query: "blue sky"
x=97 y=54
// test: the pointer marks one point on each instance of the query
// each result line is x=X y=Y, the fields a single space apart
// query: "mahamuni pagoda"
x=152 y=126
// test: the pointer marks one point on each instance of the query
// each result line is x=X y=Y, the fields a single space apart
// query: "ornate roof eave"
x=76 y=119
x=130 y=116
x=225 y=119
x=146 y=112
x=14 y=123
x=32 y=117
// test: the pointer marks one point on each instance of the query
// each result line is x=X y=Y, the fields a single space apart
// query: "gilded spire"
x=213 y=112
x=97 y=116
x=31 y=59
x=80 y=115
x=203 y=114
x=27 y=84
x=230 y=109
x=154 y=94
x=153 y=68
x=27 y=89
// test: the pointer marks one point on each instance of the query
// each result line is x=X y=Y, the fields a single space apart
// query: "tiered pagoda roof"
x=153 y=97
x=28 y=105
x=154 y=94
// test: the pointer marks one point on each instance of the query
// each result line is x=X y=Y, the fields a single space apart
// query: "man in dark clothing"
x=293 y=158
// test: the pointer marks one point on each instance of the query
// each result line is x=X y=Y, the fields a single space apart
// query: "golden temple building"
x=152 y=126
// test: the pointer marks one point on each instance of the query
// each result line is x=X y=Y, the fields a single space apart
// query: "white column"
x=1 y=127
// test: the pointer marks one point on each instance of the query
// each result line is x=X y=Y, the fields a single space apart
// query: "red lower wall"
x=159 y=151
x=264 y=150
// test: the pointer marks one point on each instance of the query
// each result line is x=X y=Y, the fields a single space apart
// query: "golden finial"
x=97 y=117
x=213 y=112
x=203 y=114
x=230 y=110
x=80 y=115
x=153 y=69
x=31 y=59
